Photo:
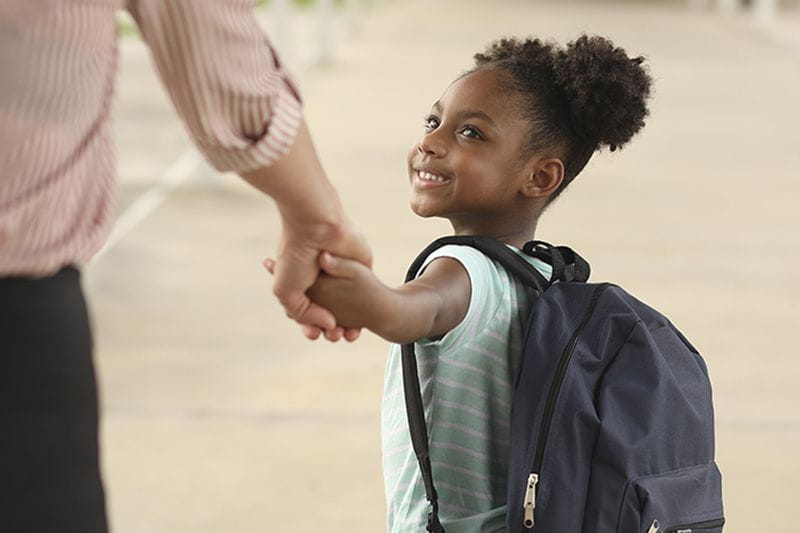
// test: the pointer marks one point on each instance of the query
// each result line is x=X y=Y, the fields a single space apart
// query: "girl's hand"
x=429 y=306
x=350 y=290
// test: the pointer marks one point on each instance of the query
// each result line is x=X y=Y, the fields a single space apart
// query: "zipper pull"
x=530 y=499
x=654 y=527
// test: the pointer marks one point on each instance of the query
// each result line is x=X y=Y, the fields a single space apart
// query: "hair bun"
x=606 y=90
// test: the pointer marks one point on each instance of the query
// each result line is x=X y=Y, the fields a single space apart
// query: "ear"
x=545 y=176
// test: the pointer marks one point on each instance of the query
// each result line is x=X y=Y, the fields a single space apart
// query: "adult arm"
x=243 y=111
x=313 y=220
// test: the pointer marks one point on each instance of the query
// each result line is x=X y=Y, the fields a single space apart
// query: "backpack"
x=612 y=424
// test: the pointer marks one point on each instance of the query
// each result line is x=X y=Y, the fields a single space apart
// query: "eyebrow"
x=468 y=113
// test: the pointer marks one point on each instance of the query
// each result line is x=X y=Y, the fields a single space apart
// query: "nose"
x=432 y=144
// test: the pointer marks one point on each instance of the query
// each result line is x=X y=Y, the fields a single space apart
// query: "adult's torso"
x=57 y=69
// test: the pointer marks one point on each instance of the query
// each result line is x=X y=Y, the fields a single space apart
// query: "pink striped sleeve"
x=240 y=105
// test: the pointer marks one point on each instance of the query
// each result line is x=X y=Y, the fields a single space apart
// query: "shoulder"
x=487 y=286
x=488 y=281
x=483 y=271
x=479 y=268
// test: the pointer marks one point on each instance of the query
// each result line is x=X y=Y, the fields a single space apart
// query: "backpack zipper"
x=697 y=527
x=529 y=503
x=530 y=499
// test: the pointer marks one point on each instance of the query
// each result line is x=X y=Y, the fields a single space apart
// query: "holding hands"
x=297 y=267
x=345 y=289
x=426 y=307
x=312 y=220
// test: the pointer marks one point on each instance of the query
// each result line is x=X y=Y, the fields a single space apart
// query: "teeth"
x=427 y=176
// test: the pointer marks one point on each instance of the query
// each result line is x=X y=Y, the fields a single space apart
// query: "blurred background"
x=219 y=416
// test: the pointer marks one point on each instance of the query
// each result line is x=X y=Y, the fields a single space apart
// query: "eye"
x=471 y=132
x=431 y=122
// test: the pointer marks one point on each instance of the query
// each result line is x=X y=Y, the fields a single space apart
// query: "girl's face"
x=467 y=167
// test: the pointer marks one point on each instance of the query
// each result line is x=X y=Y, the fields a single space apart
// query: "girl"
x=504 y=141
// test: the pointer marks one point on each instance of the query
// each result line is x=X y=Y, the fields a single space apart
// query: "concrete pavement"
x=218 y=416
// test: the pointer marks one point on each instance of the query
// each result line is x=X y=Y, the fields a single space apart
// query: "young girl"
x=502 y=142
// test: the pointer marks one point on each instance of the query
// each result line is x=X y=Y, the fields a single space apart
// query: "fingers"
x=316 y=316
x=348 y=334
x=335 y=334
x=311 y=332
x=294 y=273
x=352 y=334
x=335 y=266
x=339 y=267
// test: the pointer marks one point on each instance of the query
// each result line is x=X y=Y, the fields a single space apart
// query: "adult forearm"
x=300 y=187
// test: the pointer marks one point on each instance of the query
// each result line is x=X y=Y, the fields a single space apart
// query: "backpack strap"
x=520 y=268
x=567 y=264
x=493 y=249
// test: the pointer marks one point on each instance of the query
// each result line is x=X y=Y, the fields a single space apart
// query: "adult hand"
x=297 y=268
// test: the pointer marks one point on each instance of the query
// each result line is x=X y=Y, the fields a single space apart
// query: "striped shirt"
x=58 y=61
x=467 y=381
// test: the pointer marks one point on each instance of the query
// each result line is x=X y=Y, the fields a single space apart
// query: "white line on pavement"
x=178 y=172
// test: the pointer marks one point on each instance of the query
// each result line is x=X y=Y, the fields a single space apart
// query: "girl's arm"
x=429 y=306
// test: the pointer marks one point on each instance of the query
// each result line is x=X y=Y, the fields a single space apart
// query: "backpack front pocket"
x=709 y=526
x=688 y=500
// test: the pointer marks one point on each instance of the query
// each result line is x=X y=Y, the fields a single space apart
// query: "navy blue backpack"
x=612 y=424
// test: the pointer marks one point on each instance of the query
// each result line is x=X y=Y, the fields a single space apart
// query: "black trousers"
x=49 y=471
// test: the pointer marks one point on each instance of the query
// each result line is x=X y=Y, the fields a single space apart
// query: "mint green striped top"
x=467 y=380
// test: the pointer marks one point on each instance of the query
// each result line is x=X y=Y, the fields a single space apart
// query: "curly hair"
x=583 y=97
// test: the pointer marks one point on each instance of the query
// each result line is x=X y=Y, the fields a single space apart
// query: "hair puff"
x=606 y=90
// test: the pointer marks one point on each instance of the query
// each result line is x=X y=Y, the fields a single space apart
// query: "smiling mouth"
x=429 y=177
